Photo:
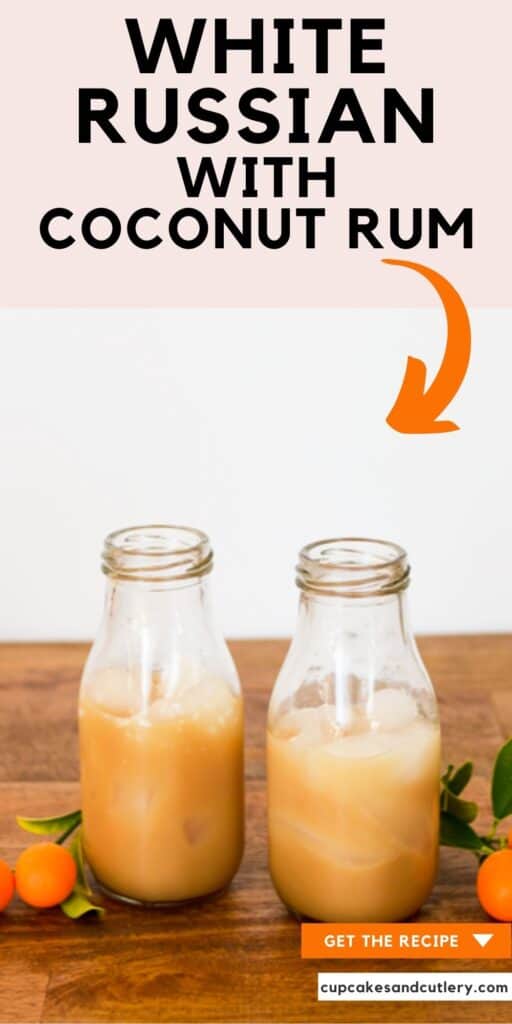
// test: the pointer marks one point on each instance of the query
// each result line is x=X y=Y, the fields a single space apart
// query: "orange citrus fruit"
x=45 y=875
x=509 y=839
x=6 y=884
x=494 y=885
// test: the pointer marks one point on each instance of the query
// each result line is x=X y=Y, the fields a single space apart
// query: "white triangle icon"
x=482 y=938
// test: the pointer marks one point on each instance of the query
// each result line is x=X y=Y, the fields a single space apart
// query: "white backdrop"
x=265 y=428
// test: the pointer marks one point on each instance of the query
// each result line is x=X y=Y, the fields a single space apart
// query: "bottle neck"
x=138 y=604
x=357 y=643
x=326 y=619
x=155 y=624
x=160 y=631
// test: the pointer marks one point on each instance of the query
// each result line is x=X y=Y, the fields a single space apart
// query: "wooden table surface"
x=235 y=958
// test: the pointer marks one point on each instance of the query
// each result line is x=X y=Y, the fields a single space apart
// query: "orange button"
x=406 y=941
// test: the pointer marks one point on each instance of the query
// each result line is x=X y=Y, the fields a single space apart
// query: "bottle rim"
x=355 y=567
x=157 y=553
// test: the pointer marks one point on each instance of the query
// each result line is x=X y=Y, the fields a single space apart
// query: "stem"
x=492 y=833
x=484 y=851
x=492 y=839
x=67 y=833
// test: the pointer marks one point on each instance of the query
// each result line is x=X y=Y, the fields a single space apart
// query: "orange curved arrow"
x=416 y=409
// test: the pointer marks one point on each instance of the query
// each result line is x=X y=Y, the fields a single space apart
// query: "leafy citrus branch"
x=457 y=814
x=79 y=902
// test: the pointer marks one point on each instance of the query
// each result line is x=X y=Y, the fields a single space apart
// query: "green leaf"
x=502 y=782
x=51 y=826
x=452 y=783
x=460 y=834
x=76 y=850
x=463 y=810
x=78 y=904
x=457 y=782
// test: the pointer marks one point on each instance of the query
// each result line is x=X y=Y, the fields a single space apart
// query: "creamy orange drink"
x=162 y=792
x=354 y=818
x=161 y=726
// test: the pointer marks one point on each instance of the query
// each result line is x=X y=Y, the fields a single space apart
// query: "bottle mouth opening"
x=157 y=553
x=353 y=567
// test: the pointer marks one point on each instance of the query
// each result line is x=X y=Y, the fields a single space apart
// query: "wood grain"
x=235 y=958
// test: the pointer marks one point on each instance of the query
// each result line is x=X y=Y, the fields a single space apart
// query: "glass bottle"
x=161 y=726
x=353 y=744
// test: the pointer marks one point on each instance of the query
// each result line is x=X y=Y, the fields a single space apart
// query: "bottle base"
x=159 y=904
x=305 y=919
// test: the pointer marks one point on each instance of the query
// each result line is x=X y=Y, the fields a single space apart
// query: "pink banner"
x=412 y=153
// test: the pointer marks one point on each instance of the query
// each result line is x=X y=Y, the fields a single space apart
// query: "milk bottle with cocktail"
x=353 y=744
x=161 y=726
